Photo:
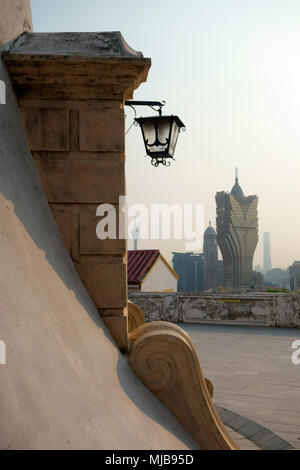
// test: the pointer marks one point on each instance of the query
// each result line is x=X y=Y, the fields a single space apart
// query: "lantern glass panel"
x=163 y=133
x=174 y=137
x=148 y=127
x=160 y=134
x=156 y=132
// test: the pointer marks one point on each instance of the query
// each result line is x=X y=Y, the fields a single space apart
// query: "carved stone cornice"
x=68 y=65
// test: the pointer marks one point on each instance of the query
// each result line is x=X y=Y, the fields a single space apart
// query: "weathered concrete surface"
x=15 y=19
x=65 y=384
x=246 y=309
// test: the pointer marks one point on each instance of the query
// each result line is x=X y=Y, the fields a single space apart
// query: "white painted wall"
x=160 y=279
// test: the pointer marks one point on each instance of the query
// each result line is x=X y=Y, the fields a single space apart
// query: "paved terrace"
x=252 y=373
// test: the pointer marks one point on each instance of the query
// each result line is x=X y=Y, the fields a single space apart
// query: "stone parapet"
x=281 y=310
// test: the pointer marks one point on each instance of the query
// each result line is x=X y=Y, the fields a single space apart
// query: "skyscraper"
x=295 y=276
x=237 y=234
x=267 y=252
x=189 y=267
x=210 y=258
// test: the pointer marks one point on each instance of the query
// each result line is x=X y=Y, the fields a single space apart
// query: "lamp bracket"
x=152 y=104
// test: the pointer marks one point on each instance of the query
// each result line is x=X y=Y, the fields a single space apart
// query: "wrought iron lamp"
x=160 y=133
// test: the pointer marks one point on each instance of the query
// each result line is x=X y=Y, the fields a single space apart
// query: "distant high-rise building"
x=189 y=267
x=257 y=279
x=237 y=234
x=267 y=252
x=295 y=276
x=210 y=258
x=277 y=277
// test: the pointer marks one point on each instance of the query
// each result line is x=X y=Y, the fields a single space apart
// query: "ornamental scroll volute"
x=163 y=357
x=135 y=316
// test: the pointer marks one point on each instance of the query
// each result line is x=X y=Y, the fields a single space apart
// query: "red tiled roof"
x=139 y=263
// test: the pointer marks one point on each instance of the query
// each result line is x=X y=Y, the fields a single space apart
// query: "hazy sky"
x=231 y=70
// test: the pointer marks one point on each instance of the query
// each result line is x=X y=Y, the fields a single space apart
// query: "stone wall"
x=247 y=309
x=71 y=89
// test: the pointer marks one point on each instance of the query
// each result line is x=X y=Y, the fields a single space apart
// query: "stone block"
x=106 y=283
x=90 y=244
x=46 y=129
x=82 y=181
x=102 y=130
x=118 y=328
x=64 y=223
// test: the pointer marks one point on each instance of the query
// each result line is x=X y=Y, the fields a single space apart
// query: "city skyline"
x=231 y=72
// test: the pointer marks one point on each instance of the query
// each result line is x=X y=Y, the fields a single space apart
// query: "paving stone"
x=225 y=415
x=262 y=436
x=274 y=444
x=250 y=428
x=237 y=422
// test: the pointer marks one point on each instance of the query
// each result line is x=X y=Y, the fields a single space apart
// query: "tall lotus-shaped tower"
x=237 y=234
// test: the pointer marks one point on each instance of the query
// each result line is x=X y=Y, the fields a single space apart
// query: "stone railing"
x=281 y=310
